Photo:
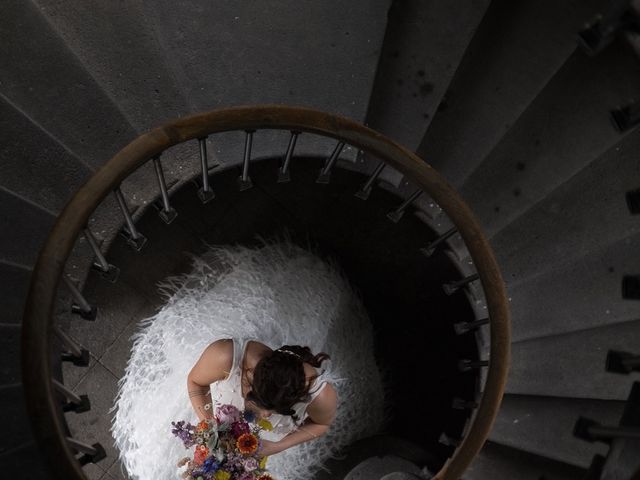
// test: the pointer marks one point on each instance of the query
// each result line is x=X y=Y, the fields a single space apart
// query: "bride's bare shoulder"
x=214 y=364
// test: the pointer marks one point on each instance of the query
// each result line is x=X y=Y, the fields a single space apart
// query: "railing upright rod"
x=135 y=238
x=82 y=308
x=205 y=193
x=365 y=191
x=167 y=214
x=283 y=172
x=431 y=248
x=245 y=181
x=326 y=170
x=397 y=214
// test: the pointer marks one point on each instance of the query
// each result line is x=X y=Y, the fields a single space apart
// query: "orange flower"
x=265 y=476
x=203 y=425
x=247 y=443
x=201 y=454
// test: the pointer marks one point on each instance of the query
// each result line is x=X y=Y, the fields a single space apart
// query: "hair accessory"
x=283 y=350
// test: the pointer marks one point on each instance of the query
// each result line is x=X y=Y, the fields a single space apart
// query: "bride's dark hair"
x=279 y=379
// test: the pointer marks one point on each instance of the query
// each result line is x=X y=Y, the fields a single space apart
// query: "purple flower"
x=184 y=433
x=246 y=476
x=228 y=414
x=250 y=464
x=238 y=428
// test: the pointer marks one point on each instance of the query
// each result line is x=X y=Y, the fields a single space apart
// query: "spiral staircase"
x=498 y=97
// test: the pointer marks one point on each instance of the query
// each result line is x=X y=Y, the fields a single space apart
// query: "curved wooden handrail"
x=37 y=326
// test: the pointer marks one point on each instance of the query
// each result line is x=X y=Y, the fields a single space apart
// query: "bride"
x=241 y=328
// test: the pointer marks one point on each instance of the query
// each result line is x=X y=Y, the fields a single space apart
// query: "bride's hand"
x=267 y=447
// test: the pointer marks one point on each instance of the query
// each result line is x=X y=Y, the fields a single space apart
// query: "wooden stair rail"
x=37 y=330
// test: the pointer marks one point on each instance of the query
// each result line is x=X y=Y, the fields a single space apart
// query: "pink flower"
x=227 y=414
x=250 y=464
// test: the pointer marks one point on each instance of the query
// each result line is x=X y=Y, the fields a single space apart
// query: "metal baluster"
x=591 y=431
x=244 y=182
x=92 y=453
x=463 y=327
x=134 y=238
x=167 y=213
x=82 y=308
x=461 y=404
x=365 y=191
x=107 y=271
x=452 y=287
x=77 y=404
x=622 y=362
x=78 y=356
x=397 y=214
x=205 y=193
x=468 y=365
x=431 y=248
x=325 y=173
x=283 y=173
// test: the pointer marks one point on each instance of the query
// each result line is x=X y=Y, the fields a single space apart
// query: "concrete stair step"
x=493 y=86
x=497 y=461
x=581 y=217
x=25 y=226
x=555 y=138
x=544 y=426
x=14 y=279
x=27 y=157
x=98 y=33
x=44 y=79
x=205 y=57
x=410 y=79
x=583 y=294
x=24 y=461
x=573 y=364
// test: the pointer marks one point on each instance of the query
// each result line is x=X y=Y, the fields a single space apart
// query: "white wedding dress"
x=278 y=294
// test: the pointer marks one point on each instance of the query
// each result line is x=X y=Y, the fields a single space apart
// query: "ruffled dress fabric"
x=279 y=294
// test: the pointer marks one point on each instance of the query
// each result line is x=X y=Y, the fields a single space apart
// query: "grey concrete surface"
x=26 y=158
x=572 y=365
x=46 y=81
x=113 y=40
x=15 y=279
x=583 y=294
x=14 y=417
x=556 y=137
x=501 y=462
x=24 y=462
x=24 y=227
x=518 y=47
x=544 y=426
x=219 y=55
x=584 y=215
x=411 y=79
x=10 y=336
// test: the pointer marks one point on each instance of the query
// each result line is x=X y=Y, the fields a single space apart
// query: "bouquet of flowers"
x=226 y=446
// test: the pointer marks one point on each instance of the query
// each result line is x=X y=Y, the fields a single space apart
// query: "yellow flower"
x=263 y=463
x=222 y=475
x=265 y=424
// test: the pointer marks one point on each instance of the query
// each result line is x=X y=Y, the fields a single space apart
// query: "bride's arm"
x=321 y=413
x=213 y=365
